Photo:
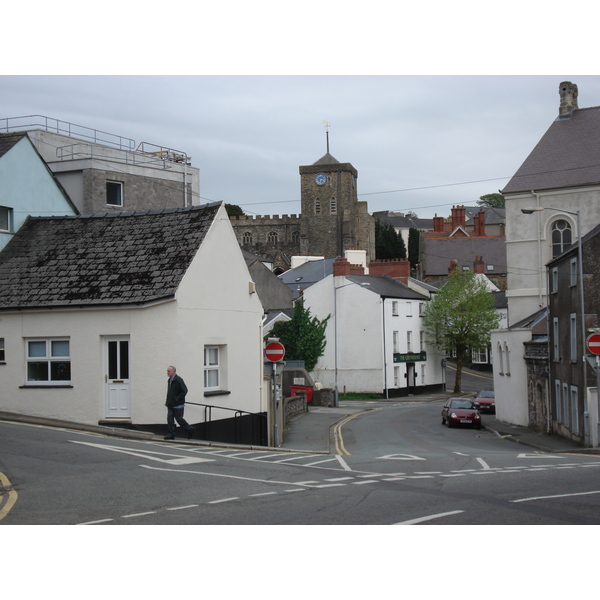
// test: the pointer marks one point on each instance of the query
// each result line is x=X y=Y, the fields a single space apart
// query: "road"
x=400 y=466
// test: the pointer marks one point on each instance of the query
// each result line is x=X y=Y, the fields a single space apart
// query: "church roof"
x=327 y=159
x=566 y=156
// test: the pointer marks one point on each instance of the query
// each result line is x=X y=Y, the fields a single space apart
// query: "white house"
x=94 y=308
x=375 y=339
x=27 y=186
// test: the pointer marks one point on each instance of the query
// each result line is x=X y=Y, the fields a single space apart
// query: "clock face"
x=320 y=179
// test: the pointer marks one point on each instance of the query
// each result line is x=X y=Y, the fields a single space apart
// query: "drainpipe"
x=385 y=385
x=539 y=249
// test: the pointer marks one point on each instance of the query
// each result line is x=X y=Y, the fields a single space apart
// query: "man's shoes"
x=191 y=432
x=170 y=437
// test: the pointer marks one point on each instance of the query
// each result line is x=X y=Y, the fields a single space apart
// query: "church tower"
x=332 y=218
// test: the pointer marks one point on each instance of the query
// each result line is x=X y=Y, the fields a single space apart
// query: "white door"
x=116 y=378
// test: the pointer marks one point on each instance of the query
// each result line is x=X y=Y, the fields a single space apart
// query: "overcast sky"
x=419 y=143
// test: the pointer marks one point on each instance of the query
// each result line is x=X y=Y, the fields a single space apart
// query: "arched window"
x=333 y=206
x=500 y=359
x=506 y=358
x=295 y=237
x=247 y=237
x=272 y=238
x=561 y=237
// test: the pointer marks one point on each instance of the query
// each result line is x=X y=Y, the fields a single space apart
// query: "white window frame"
x=49 y=358
x=573 y=336
x=395 y=347
x=394 y=308
x=212 y=367
x=396 y=376
x=119 y=185
x=409 y=309
x=409 y=341
x=574 y=409
x=5 y=210
x=480 y=355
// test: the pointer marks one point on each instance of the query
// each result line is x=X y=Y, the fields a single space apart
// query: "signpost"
x=593 y=343
x=593 y=346
x=274 y=352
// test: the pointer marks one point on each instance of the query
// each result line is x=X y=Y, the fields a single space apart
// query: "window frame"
x=212 y=368
x=2 y=351
x=117 y=184
x=51 y=361
x=9 y=219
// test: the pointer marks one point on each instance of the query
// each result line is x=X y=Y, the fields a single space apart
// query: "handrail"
x=69 y=129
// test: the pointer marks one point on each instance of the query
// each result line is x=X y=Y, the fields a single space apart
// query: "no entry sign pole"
x=274 y=351
x=593 y=346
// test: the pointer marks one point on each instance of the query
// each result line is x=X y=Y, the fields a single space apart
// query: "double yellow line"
x=337 y=432
x=11 y=497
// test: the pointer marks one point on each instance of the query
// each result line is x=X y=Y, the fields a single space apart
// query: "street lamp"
x=335 y=336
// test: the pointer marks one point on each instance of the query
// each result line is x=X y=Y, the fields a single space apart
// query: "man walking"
x=176 y=391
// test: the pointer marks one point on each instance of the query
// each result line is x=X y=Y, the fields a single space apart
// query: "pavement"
x=313 y=430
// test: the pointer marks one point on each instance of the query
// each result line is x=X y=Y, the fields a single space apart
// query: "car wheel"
x=449 y=423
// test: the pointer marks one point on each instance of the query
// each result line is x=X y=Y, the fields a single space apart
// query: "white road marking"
x=151 y=512
x=343 y=463
x=224 y=500
x=149 y=454
x=429 y=518
x=557 y=496
x=400 y=457
x=183 y=507
x=482 y=462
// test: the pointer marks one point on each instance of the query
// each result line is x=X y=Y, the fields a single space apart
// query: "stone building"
x=332 y=219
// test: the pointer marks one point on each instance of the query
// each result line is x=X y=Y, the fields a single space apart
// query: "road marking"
x=11 y=496
x=224 y=500
x=400 y=457
x=337 y=431
x=149 y=454
x=152 y=512
x=183 y=507
x=429 y=518
x=318 y=462
x=343 y=463
x=557 y=496
x=96 y=522
x=523 y=455
x=482 y=462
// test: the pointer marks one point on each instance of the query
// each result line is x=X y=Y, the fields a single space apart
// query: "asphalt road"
x=399 y=466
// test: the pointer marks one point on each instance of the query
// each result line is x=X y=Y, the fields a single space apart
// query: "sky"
x=420 y=143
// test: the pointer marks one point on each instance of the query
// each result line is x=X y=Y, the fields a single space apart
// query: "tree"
x=388 y=243
x=303 y=336
x=233 y=210
x=491 y=201
x=460 y=317
x=414 y=247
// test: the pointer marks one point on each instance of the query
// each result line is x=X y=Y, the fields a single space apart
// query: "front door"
x=116 y=378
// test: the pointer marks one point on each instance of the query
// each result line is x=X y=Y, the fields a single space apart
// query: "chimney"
x=459 y=218
x=453 y=266
x=341 y=267
x=438 y=224
x=480 y=223
x=398 y=268
x=568 y=99
x=478 y=265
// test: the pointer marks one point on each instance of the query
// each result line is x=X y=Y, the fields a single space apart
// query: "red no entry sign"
x=593 y=343
x=274 y=351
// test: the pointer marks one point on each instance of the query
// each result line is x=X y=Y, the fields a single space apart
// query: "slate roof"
x=306 y=274
x=404 y=222
x=8 y=140
x=386 y=286
x=566 y=156
x=438 y=252
x=113 y=259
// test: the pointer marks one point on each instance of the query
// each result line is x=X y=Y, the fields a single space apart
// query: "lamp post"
x=335 y=336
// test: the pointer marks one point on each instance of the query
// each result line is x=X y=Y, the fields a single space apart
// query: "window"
x=114 y=193
x=506 y=359
x=317 y=206
x=573 y=271
x=5 y=219
x=565 y=404
x=555 y=280
x=247 y=237
x=272 y=237
x=409 y=341
x=211 y=368
x=394 y=308
x=558 y=401
x=48 y=361
x=2 y=355
x=573 y=336
x=561 y=237
x=396 y=376
x=333 y=206
x=555 y=348
x=490 y=267
x=409 y=309
x=421 y=341
x=574 y=410
x=395 y=342
x=500 y=360
x=479 y=355
x=295 y=237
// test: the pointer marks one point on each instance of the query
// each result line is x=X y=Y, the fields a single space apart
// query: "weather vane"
x=326 y=123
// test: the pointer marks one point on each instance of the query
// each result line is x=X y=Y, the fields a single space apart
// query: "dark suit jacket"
x=176 y=391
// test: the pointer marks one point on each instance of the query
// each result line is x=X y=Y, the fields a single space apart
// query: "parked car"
x=461 y=411
x=486 y=400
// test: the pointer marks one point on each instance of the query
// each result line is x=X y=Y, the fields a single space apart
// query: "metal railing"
x=248 y=427
x=65 y=128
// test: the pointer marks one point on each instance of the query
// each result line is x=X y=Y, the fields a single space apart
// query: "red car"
x=486 y=400
x=461 y=411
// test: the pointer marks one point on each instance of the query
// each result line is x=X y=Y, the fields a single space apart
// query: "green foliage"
x=460 y=317
x=414 y=245
x=491 y=200
x=233 y=210
x=303 y=336
x=388 y=243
